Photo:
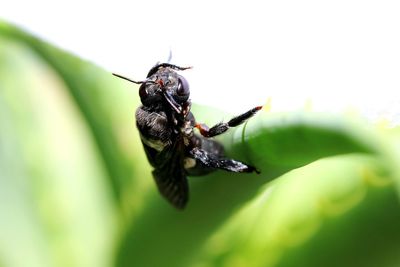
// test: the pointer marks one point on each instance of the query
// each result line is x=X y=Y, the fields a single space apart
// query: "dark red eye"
x=183 y=87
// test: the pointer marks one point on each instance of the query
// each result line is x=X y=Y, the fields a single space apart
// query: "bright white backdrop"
x=335 y=53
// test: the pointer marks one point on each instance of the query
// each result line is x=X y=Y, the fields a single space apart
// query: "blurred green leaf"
x=54 y=203
x=92 y=90
x=342 y=211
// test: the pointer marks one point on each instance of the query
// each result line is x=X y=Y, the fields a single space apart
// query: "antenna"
x=130 y=80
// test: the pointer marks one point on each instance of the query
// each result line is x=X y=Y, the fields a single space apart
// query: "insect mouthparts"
x=160 y=82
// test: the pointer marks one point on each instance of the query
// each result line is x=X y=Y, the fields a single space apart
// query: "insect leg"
x=224 y=126
x=211 y=161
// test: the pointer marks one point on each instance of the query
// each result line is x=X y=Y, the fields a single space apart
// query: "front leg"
x=224 y=126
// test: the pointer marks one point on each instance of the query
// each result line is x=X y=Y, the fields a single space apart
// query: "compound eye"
x=183 y=88
x=148 y=94
x=143 y=92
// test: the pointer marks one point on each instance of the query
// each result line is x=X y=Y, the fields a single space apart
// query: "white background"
x=334 y=53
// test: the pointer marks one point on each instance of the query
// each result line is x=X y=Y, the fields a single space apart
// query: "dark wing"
x=170 y=175
x=173 y=185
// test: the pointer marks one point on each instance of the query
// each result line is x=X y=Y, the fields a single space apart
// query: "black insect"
x=166 y=129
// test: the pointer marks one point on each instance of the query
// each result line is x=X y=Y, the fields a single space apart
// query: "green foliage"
x=76 y=189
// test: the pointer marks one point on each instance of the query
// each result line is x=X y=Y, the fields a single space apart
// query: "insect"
x=166 y=126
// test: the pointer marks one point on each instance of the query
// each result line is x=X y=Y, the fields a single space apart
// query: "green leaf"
x=55 y=203
x=274 y=143
x=292 y=140
x=338 y=211
x=92 y=90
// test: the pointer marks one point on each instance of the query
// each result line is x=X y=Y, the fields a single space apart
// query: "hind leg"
x=212 y=162
x=209 y=145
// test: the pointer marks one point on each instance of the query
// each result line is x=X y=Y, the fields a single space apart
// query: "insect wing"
x=170 y=176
